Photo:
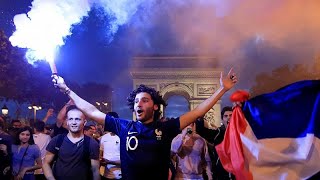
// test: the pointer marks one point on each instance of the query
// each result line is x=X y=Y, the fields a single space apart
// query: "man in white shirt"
x=110 y=150
x=42 y=140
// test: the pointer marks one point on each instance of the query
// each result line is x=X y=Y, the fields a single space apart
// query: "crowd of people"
x=148 y=147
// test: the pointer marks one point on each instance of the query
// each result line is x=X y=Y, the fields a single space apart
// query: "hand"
x=59 y=82
x=18 y=177
x=21 y=174
x=70 y=102
x=102 y=162
x=49 y=112
x=107 y=161
x=228 y=81
x=184 y=133
x=235 y=104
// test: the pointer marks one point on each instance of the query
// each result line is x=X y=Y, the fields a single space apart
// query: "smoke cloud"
x=45 y=26
x=252 y=36
x=268 y=31
x=226 y=27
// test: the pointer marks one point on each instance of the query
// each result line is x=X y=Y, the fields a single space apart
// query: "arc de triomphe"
x=194 y=78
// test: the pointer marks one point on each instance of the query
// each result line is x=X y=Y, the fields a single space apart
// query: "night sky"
x=252 y=36
x=10 y=8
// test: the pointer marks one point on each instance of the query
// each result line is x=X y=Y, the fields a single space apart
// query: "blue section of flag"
x=290 y=112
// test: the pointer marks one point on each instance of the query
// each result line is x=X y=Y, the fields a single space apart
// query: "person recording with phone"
x=190 y=153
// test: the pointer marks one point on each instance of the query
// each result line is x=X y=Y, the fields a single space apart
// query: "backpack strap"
x=86 y=155
x=86 y=149
x=59 y=142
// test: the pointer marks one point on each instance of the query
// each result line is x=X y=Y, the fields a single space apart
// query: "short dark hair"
x=71 y=107
x=48 y=127
x=26 y=128
x=15 y=120
x=155 y=95
x=39 y=126
x=226 y=108
x=86 y=128
x=113 y=114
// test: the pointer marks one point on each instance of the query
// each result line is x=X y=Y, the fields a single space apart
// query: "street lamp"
x=35 y=109
x=102 y=106
x=5 y=110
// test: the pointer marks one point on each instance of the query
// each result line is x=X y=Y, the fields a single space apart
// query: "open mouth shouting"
x=139 y=112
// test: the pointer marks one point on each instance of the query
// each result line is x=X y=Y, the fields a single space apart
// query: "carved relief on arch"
x=169 y=89
x=206 y=89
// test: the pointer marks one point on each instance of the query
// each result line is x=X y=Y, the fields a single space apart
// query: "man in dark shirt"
x=215 y=137
x=72 y=161
x=145 y=142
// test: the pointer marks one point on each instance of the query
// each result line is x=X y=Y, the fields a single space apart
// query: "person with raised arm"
x=146 y=141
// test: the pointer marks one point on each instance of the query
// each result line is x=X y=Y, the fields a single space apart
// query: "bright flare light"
x=43 y=29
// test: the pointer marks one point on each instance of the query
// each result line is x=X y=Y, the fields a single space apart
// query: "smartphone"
x=189 y=130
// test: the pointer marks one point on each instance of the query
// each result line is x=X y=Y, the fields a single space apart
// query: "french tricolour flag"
x=275 y=136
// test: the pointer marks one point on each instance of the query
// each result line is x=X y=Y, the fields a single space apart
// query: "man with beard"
x=77 y=155
x=145 y=142
x=220 y=172
x=213 y=138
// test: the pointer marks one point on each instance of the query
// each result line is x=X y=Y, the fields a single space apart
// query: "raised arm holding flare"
x=92 y=112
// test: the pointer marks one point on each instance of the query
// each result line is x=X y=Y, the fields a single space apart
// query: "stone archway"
x=180 y=89
x=169 y=89
x=195 y=78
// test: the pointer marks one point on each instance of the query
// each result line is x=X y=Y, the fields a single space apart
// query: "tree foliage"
x=23 y=82
x=284 y=75
x=14 y=71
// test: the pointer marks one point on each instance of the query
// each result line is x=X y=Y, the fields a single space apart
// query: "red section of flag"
x=230 y=151
x=239 y=96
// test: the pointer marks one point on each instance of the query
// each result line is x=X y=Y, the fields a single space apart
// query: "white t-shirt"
x=110 y=145
x=42 y=140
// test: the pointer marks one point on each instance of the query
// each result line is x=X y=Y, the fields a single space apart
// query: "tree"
x=316 y=67
x=282 y=76
x=13 y=69
x=23 y=82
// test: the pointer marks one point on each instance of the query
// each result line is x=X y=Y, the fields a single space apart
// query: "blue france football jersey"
x=144 y=148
